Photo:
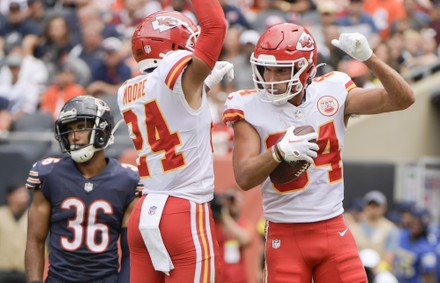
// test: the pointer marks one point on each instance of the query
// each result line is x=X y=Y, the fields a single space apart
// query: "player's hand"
x=355 y=45
x=221 y=69
x=294 y=148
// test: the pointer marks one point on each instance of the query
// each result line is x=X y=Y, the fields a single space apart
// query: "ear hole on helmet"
x=100 y=138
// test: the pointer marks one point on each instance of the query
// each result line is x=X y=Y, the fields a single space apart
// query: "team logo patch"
x=147 y=49
x=305 y=42
x=152 y=210
x=88 y=187
x=276 y=244
x=328 y=105
x=164 y=23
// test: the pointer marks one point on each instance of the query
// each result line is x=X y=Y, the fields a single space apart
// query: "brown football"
x=286 y=172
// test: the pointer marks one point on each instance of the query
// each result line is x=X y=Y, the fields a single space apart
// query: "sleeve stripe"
x=350 y=85
x=140 y=186
x=232 y=115
x=31 y=180
x=175 y=71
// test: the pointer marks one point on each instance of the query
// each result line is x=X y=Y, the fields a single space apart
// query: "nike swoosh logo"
x=343 y=232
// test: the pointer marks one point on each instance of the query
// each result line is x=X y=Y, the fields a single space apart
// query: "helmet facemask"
x=294 y=85
x=100 y=129
x=284 y=46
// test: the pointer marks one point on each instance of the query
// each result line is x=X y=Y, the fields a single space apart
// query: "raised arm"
x=38 y=227
x=395 y=95
x=207 y=50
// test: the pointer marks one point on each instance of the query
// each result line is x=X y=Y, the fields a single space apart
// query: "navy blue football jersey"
x=86 y=215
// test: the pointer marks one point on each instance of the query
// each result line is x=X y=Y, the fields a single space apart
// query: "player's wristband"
x=275 y=154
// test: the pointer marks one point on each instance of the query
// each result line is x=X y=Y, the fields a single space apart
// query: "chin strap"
x=111 y=140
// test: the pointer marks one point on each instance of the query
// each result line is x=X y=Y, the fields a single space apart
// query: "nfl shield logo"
x=276 y=243
x=88 y=187
x=152 y=210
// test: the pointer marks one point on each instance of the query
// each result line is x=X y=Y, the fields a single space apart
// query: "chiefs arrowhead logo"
x=164 y=23
x=305 y=42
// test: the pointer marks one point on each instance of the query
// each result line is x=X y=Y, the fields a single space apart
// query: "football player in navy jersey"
x=82 y=201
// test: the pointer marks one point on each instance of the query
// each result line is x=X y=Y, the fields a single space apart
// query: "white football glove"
x=355 y=45
x=221 y=69
x=294 y=148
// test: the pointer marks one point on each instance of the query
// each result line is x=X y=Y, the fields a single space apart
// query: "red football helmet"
x=285 y=45
x=160 y=33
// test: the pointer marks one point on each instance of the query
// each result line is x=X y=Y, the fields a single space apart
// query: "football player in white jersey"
x=306 y=236
x=171 y=234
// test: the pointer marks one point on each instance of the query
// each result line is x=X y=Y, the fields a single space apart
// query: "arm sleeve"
x=213 y=29
x=124 y=273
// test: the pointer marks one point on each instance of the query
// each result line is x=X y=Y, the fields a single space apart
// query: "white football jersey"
x=318 y=193
x=173 y=140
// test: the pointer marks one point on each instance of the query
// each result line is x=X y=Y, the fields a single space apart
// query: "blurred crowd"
x=53 y=50
x=398 y=242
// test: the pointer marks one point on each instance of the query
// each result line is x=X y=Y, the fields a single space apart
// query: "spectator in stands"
x=396 y=46
x=419 y=53
x=16 y=21
x=32 y=70
x=13 y=230
x=384 y=14
x=385 y=53
x=233 y=15
x=231 y=46
x=114 y=70
x=56 y=40
x=267 y=16
x=233 y=233
x=292 y=6
x=63 y=88
x=416 y=260
x=90 y=49
x=37 y=12
x=126 y=19
x=5 y=116
x=242 y=65
x=405 y=210
x=21 y=93
x=322 y=25
x=435 y=20
x=371 y=261
x=92 y=15
x=182 y=6
x=328 y=53
x=375 y=231
x=436 y=233
x=356 y=19
x=353 y=211
x=415 y=18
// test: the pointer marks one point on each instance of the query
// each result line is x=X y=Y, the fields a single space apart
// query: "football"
x=289 y=171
